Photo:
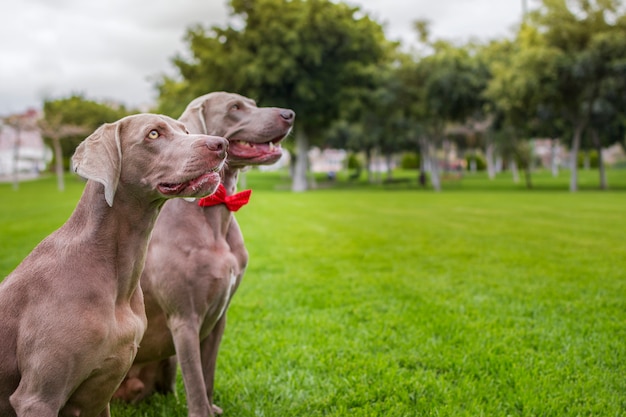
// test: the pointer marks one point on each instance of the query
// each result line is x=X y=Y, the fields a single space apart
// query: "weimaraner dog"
x=72 y=313
x=194 y=267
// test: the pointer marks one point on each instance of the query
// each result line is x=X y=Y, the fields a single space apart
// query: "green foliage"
x=590 y=37
x=79 y=111
x=310 y=55
x=354 y=162
x=592 y=157
x=426 y=304
x=76 y=110
x=523 y=79
x=563 y=71
x=441 y=89
x=410 y=160
x=481 y=163
x=454 y=83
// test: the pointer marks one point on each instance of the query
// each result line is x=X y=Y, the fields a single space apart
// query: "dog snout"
x=217 y=144
x=287 y=115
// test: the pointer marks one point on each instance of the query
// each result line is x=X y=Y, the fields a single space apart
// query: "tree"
x=590 y=37
x=54 y=130
x=522 y=80
x=607 y=124
x=381 y=117
x=67 y=121
x=352 y=137
x=446 y=85
x=20 y=123
x=314 y=56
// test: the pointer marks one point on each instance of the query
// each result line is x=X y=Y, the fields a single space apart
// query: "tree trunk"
x=573 y=161
x=434 y=167
x=554 y=148
x=375 y=171
x=292 y=164
x=473 y=165
x=16 y=157
x=58 y=163
x=529 y=182
x=489 y=156
x=601 y=168
x=389 y=160
x=514 y=170
x=499 y=164
x=368 y=165
x=446 y=157
x=299 y=182
x=421 y=176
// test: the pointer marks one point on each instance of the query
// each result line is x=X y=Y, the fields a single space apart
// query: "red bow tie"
x=233 y=202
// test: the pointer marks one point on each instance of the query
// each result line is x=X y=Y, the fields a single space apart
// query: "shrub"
x=481 y=163
x=410 y=160
x=593 y=158
x=354 y=162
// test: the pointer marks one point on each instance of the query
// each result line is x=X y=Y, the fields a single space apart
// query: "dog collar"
x=233 y=202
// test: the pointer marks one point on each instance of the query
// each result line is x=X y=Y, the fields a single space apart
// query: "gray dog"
x=194 y=267
x=71 y=313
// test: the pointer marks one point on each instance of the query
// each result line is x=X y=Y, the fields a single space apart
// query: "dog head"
x=254 y=133
x=152 y=154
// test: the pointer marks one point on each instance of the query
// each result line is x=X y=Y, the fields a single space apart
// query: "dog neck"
x=219 y=217
x=230 y=175
x=121 y=232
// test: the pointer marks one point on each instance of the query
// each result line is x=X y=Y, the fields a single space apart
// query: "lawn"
x=483 y=300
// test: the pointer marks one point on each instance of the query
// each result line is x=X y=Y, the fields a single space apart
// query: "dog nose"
x=288 y=115
x=217 y=144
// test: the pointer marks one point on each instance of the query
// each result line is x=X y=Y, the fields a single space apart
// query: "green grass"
x=483 y=300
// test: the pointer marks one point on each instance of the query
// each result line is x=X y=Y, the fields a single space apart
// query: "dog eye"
x=153 y=134
x=235 y=107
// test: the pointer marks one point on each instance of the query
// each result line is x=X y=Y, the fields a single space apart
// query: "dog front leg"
x=210 y=347
x=30 y=399
x=106 y=412
x=187 y=343
x=33 y=409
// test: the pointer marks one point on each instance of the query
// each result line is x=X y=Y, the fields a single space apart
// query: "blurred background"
x=444 y=88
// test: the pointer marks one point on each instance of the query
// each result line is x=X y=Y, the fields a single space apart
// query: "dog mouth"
x=255 y=152
x=196 y=187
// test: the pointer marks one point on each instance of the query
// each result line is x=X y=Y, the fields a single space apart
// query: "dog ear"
x=194 y=119
x=99 y=158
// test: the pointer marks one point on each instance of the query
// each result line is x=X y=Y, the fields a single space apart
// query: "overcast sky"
x=114 y=49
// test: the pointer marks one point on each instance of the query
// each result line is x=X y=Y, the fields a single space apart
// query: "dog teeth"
x=271 y=145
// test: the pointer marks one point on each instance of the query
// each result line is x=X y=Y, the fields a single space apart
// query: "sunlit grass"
x=393 y=301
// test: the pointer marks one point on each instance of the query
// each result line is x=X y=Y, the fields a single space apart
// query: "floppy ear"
x=99 y=158
x=193 y=118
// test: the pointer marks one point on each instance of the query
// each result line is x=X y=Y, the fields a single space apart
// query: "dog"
x=72 y=312
x=194 y=267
